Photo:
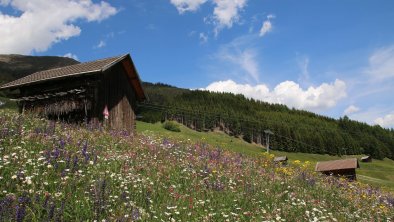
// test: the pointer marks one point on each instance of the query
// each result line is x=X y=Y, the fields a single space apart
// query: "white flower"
x=28 y=180
x=49 y=166
x=13 y=177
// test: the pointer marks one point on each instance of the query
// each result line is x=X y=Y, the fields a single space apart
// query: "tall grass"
x=58 y=172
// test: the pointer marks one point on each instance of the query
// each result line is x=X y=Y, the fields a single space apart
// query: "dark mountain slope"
x=16 y=66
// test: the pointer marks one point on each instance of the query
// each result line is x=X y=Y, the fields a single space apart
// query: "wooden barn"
x=346 y=168
x=366 y=159
x=281 y=160
x=105 y=90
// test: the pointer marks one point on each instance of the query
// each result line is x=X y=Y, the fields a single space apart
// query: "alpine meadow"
x=196 y=111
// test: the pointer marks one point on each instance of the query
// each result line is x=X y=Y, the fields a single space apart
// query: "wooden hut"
x=281 y=160
x=366 y=159
x=102 y=90
x=346 y=168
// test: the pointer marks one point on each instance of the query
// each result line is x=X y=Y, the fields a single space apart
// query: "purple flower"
x=218 y=186
x=20 y=212
x=51 y=212
x=84 y=151
x=75 y=163
x=6 y=205
x=62 y=144
x=135 y=214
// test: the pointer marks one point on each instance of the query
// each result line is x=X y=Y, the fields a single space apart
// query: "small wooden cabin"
x=281 y=160
x=97 y=91
x=346 y=168
x=366 y=159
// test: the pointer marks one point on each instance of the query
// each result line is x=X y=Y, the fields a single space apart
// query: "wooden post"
x=267 y=134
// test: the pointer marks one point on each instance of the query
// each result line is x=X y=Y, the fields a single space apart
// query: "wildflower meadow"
x=58 y=172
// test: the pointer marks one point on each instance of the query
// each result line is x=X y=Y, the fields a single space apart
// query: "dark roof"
x=280 y=158
x=82 y=69
x=337 y=165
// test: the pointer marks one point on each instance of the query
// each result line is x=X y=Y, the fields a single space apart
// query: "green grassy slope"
x=58 y=172
x=377 y=173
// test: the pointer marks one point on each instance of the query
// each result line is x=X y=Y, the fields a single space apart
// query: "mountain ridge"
x=15 y=66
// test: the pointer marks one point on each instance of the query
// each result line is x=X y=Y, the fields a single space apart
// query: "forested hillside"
x=17 y=66
x=294 y=130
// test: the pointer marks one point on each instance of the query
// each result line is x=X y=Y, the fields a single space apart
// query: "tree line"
x=294 y=130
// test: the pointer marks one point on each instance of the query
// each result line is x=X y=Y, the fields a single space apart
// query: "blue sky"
x=329 y=57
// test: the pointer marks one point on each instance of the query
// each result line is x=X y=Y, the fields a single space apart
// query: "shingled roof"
x=72 y=70
x=337 y=165
x=280 y=158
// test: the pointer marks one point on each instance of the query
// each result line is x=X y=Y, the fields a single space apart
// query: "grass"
x=378 y=173
x=59 y=172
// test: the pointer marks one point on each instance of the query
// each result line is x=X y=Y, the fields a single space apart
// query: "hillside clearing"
x=377 y=173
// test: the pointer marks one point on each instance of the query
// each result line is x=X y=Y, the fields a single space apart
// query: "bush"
x=171 y=126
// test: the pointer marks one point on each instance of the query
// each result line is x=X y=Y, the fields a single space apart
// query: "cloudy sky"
x=334 y=58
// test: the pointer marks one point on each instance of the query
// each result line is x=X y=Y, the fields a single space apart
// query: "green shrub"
x=171 y=126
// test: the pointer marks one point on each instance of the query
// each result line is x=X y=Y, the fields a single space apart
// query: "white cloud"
x=271 y=16
x=381 y=63
x=5 y=2
x=242 y=58
x=203 y=38
x=71 y=56
x=303 y=65
x=187 y=5
x=267 y=25
x=318 y=98
x=387 y=121
x=351 y=109
x=225 y=12
x=44 y=22
x=101 y=44
x=238 y=58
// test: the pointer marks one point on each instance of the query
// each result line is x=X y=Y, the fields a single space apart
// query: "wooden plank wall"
x=120 y=99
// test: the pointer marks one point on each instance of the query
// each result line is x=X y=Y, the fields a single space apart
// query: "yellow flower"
x=296 y=162
x=306 y=164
